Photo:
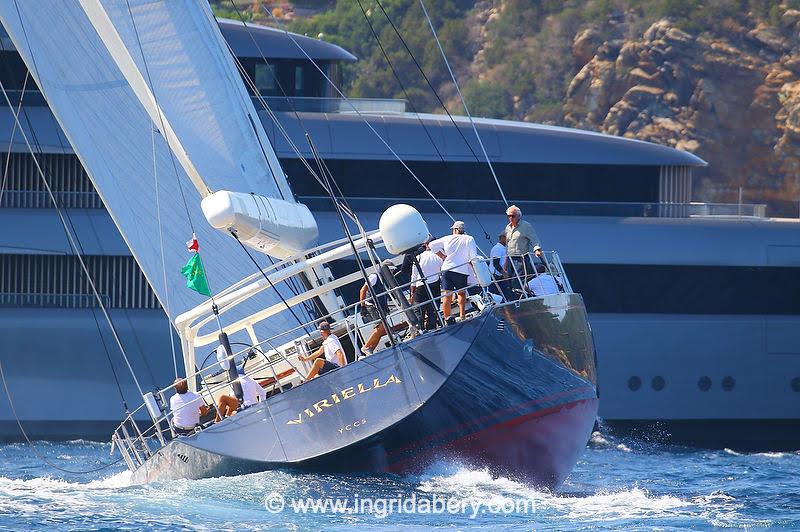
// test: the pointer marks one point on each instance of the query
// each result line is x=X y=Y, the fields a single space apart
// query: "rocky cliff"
x=731 y=97
x=719 y=78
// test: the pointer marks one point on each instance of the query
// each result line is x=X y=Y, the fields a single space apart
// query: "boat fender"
x=152 y=406
x=482 y=272
x=402 y=228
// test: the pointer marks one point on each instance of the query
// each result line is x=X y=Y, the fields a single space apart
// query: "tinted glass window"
x=664 y=289
x=463 y=180
x=265 y=79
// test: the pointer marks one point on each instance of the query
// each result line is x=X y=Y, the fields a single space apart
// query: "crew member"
x=430 y=264
x=186 y=407
x=521 y=241
x=456 y=251
x=498 y=264
x=543 y=283
x=227 y=405
x=332 y=349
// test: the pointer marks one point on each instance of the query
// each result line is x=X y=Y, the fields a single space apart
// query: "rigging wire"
x=64 y=214
x=160 y=115
x=161 y=245
x=273 y=116
x=399 y=81
x=36 y=451
x=463 y=101
x=427 y=80
x=360 y=115
x=263 y=273
x=78 y=249
x=13 y=133
x=73 y=244
x=171 y=155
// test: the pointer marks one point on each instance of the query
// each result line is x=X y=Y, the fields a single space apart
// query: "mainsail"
x=179 y=51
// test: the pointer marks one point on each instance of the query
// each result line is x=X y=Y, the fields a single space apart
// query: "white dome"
x=402 y=228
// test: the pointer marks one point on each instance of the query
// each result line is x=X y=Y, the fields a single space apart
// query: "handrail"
x=128 y=442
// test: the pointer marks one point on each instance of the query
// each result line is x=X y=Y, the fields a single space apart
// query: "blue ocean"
x=616 y=485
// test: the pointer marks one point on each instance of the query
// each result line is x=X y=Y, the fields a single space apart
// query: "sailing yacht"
x=153 y=104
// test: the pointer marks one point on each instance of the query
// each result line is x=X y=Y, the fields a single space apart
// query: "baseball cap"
x=324 y=326
x=458 y=224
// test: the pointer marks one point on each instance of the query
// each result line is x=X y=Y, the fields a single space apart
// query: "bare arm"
x=362 y=295
x=340 y=357
x=313 y=355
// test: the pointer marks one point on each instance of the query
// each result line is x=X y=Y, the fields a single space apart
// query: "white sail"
x=177 y=46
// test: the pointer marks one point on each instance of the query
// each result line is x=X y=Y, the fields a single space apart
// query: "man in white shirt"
x=431 y=264
x=252 y=390
x=498 y=256
x=543 y=284
x=252 y=393
x=186 y=407
x=332 y=349
x=456 y=250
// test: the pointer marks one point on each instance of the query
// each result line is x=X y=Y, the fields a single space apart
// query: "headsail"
x=177 y=44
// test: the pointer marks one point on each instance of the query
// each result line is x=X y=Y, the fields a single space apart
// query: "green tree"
x=488 y=99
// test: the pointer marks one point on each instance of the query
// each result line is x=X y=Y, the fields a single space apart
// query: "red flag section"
x=193 y=245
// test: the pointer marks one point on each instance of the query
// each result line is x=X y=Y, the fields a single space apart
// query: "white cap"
x=458 y=224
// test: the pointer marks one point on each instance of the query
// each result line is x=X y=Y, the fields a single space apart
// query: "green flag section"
x=196 y=275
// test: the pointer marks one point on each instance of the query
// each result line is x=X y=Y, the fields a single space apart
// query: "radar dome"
x=402 y=228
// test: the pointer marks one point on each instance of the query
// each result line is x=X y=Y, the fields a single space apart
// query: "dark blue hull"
x=512 y=389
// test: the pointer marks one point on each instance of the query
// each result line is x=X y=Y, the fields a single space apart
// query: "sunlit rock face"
x=731 y=96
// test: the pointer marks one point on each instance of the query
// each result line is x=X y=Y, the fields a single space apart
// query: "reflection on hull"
x=512 y=389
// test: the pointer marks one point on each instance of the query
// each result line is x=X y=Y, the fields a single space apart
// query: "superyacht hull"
x=512 y=389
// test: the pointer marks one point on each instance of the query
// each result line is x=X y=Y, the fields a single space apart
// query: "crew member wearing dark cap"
x=331 y=348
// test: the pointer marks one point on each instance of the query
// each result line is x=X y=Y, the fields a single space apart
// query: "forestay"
x=196 y=85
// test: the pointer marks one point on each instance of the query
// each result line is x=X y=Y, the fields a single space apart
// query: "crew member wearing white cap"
x=332 y=349
x=521 y=241
x=456 y=250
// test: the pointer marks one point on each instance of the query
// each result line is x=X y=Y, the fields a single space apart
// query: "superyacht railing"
x=557 y=208
x=136 y=446
x=303 y=104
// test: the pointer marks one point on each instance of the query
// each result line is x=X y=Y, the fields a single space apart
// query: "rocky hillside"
x=732 y=98
x=719 y=78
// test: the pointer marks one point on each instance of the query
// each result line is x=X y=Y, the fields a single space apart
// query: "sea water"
x=616 y=484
